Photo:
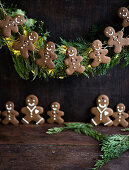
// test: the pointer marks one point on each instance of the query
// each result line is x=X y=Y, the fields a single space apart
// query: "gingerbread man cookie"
x=26 y=44
x=124 y=14
x=73 y=62
x=10 y=114
x=116 y=39
x=102 y=112
x=47 y=56
x=55 y=114
x=98 y=54
x=120 y=116
x=32 y=111
x=11 y=24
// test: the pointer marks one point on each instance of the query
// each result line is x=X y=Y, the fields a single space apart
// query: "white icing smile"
x=30 y=38
x=98 y=48
x=124 y=15
x=71 y=55
x=111 y=34
x=31 y=104
x=54 y=108
x=9 y=108
x=17 y=21
x=102 y=106
x=120 y=110
x=49 y=49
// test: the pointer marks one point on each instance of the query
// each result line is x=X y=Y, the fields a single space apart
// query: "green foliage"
x=112 y=147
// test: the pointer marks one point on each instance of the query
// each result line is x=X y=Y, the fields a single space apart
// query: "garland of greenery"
x=111 y=146
x=27 y=69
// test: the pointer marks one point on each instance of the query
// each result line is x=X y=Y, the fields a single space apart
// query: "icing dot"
x=52 y=105
x=56 y=105
x=105 y=101
x=28 y=100
x=99 y=100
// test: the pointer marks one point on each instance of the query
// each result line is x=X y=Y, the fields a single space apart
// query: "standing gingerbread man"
x=116 y=39
x=10 y=114
x=55 y=114
x=120 y=116
x=11 y=24
x=25 y=44
x=73 y=61
x=47 y=56
x=32 y=111
x=102 y=112
x=98 y=54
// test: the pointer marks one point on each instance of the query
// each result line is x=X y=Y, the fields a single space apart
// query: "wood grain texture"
x=29 y=147
x=68 y=19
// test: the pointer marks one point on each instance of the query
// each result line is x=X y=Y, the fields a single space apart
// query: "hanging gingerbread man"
x=25 y=44
x=47 y=56
x=55 y=114
x=73 y=61
x=124 y=14
x=11 y=24
x=10 y=114
x=32 y=111
x=116 y=39
x=120 y=116
x=102 y=112
x=98 y=54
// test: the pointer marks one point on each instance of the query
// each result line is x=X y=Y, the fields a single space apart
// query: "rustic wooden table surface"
x=30 y=148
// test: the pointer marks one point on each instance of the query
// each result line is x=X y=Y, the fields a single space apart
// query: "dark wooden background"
x=67 y=19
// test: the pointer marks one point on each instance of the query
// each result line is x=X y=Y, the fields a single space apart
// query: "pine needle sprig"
x=86 y=129
x=112 y=147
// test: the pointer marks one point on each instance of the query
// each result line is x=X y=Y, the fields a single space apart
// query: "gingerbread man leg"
x=95 y=63
x=124 y=123
x=115 y=123
x=118 y=49
x=24 y=53
x=39 y=120
x=81 y=69
x=59 y=121
x=50 y=121
x=107 y=122
x=5 y=121
x=7 y=32
x=14 y=121
x=95 y=121
x=25 y=120
x=69 y=71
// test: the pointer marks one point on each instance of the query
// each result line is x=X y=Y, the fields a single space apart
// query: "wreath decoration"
x=88 y=59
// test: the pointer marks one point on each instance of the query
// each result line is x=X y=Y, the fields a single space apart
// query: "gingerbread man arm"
x=120 y=33
x=24 y=110
x=31 y=47
x=66 y=61
x=41 y=110
x=60 y=113
x=111 y=42
x=92 y=55
x=126 y=115
x=104 y=51
x=53 y=56
x=49 y=113
x=114 y=114
x=79 y=58
x=15 y=113
x=110 y=111
x=4 y=113
x=94 y=110
x=7 y=32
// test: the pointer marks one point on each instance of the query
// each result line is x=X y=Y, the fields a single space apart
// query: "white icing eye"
x=120 y=13
x=6 y=105
x=99 y=100
x=123 y=10
x=51 y=46
x=52 y=105
x=122 y=107
x=10 y=105
x=117 y=107
x=33 y=100
x=34 y=37
x=105 y=101
x=21 y=20
x=72 y=50
x=107 y=32
x=56 y=105
x=110 y=29
x=28 y=100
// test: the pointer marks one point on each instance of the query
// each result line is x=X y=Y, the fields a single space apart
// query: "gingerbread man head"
x=102 y=101
x=120 y=107
x=96 y=45
x=123 y=12
x=31 y=100
x=32 y=36
x=50 y=46
x=55 y=106
x=109 y=32
x=9 y=105
x=71 y=52
x=19 y=19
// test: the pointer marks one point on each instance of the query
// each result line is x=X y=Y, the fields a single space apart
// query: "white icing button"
x=54 y=118
x=21 y=47
x=45 y=61
x=6 y=26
